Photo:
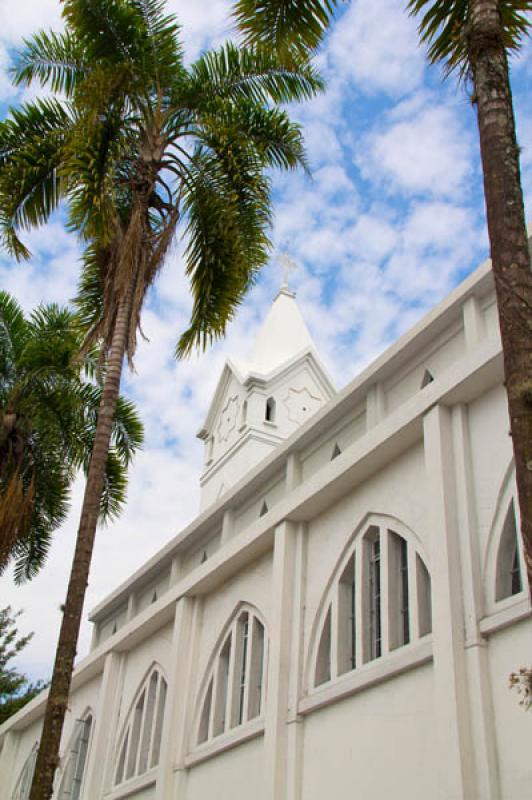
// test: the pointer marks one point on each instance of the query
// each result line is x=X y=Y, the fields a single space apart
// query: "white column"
x=456 y=780
x=296 y=725
x=104 y=735
x=172 y=773
x=474 y=327
x=375 y=405
x=293 y=471
x=279 y=668
x=479 y=688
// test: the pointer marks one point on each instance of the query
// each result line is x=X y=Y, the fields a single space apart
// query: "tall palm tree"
x=48 y=410
x=142 y=148
x=474 y=38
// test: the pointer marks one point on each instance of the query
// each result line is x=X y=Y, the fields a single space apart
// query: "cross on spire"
x=288 y=265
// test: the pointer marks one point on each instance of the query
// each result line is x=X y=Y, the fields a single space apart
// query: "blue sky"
x=390 y=221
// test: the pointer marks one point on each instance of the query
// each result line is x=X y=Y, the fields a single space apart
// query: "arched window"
x=140 y=743
x=509 y=571
x=76 y=758
x=23 y=784
x=235 y=683
x=269 y=413
x=378 y=601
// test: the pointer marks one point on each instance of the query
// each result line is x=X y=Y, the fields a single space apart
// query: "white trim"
x=133 y=785
x=226 y=741
x=381 y=669
x=511 y=610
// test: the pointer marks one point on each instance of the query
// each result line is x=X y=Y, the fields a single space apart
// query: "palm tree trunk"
x=48 y=756
x=508 y=238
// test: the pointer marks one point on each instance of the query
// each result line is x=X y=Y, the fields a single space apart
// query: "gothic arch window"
x=504 y=565
x=378 y=600
x=140 y=742
x=234 y=685
x=76 y=759
x=23 y=784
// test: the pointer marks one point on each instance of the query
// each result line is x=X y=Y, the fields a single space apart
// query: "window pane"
x=347 y=618
x=205 y=716
x=375 y=627
x=159 y=719
x=323 y=661
x=148 y=724
x=135 y=737
x=256 y=670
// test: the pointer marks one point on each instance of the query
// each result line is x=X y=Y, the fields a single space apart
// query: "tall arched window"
x=234 y=686
x=509 y=571
x=140 y=742
x=377 y=601
x=23 y=784
x=76 y=759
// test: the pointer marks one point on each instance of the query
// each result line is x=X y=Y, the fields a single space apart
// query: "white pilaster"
x=101 y=762
x=479 y=689
x=280 y=649
x=456 y=780
x=375 y=405
x=177 y=722
x=474 y=327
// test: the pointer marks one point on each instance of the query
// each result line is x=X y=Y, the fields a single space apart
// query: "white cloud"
x=374 y=46
x=427 y=151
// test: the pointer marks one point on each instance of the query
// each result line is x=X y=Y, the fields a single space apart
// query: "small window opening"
x=269 y=414
x=114 y=629
x=264 y=509
x=428 y=377
x=336 y=451
x=509 y=579
x=323 y=661
x=204 y=557
x=154 y=597
x=424 y=598
x=375 y=626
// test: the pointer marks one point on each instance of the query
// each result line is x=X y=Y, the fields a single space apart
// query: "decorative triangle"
x=204 y=557
x=114 y=630
x=428 y=377
x=154 y=597
x=264 y=509
x=336 y=451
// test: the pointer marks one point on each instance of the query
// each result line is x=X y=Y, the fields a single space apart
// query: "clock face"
x=228 y=418
x=301 y=404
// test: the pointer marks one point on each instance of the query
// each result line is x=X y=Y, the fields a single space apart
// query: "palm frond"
x=444 y=24
x=54 y=59
x=284 y=25
x=258 y=74
x=31 y=180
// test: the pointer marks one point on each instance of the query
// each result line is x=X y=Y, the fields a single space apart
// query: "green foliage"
x=142 y=148
x=296 y=26
x=15 y=689
x=48 y=411
x=444 y=24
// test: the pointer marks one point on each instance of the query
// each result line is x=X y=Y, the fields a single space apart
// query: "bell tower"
x=259 y=403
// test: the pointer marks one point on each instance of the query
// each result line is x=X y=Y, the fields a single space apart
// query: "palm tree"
x=48 y=413
x=474 y=38
x=140 y=148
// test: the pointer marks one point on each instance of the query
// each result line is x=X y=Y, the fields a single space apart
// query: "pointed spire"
x=282 y=336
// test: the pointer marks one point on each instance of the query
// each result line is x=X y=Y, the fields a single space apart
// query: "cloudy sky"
x=391 y=219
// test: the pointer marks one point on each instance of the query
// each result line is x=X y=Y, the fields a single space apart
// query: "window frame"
x=334 y=605
x=70 y=771
x=231 y=700
x=138 y=720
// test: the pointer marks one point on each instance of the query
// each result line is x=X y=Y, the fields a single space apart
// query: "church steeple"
x=260 y=402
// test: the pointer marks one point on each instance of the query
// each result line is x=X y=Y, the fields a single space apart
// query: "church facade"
x=342 y=617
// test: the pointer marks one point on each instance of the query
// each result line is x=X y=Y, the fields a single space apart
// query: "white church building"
x=341 y=619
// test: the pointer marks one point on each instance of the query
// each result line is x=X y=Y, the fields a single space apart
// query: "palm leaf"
x=284 y=25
